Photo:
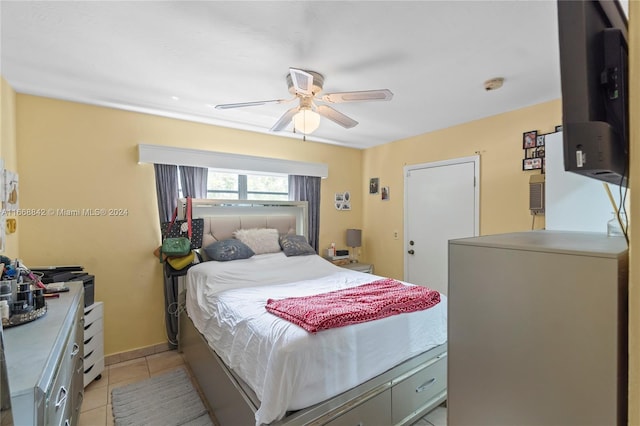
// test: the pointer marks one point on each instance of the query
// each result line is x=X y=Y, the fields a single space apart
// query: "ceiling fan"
x=306 y=87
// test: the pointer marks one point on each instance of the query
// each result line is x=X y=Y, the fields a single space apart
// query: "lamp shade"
x=354 y=237
x=306 y=121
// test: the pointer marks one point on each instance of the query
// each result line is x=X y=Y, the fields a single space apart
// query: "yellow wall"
x=504 y=187
x=76 y=156
x=634 y=250
x=8 y=151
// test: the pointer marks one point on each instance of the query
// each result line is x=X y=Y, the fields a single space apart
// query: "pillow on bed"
x=261 y=241
x=295 y=245
x=226 y=250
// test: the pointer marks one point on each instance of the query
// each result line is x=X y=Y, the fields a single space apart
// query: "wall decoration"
x=532 y=164
x=373 y=185
x=343 y=200
x=529 y=139
x=385 y=193
x=11 y=190
x=533 y=145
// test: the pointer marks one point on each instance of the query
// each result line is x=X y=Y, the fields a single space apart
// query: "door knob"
x=411 y=252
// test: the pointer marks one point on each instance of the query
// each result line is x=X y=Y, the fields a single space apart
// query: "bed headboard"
x=223 y=217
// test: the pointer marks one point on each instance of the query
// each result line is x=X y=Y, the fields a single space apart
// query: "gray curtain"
x=166 y=189
x=307 y=188
x=194 y=181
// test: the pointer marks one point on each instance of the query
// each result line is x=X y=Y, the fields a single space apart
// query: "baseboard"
x=136 y=353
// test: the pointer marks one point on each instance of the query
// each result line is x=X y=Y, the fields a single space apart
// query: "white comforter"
x=287 y=367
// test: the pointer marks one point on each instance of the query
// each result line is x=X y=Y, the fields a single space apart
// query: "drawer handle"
x=67 y=423
x=89 y=354
x=62 y=396
x=88 y=327
x=86 y=342
x=425 y=385
x=88 y=369
x=75 y=350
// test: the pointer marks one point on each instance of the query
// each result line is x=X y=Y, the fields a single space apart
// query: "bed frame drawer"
x=418 y=389
x=374 y=412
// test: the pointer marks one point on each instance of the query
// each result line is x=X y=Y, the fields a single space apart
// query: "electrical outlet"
x=395 y=235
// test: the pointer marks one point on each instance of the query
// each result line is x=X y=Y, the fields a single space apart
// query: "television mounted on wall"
x=594 y=79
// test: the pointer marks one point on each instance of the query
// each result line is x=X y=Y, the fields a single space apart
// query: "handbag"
x=180 y=246
x=178 y=228
x=176 y=245
x=181 y=262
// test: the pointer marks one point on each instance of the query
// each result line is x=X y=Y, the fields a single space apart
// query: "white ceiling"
x=433 y=55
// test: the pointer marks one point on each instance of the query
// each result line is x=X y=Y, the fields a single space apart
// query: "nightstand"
x=361 y=267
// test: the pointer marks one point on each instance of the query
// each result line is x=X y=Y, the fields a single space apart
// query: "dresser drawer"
x=93 y=313
x=93 y=348
x=56 y=409
x=419 y=389
x=374 y=412
x=94 y=370
x=92 y=329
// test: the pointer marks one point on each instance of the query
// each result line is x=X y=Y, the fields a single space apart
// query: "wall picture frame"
x=385 y=193
x=529 y=139
x=342 y=200
x=534 y=163
x=373 y=185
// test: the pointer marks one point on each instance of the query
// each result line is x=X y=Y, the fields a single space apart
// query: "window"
x=232 y=186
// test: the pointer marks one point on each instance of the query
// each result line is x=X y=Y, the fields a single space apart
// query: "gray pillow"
x=230 y=249
x=295 y=245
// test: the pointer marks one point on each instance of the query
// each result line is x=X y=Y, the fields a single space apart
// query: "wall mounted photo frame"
x=342 y=200
x=532 y=163
x=385 y=193
x=529 y=139
x=373 y=185
x=540 y=140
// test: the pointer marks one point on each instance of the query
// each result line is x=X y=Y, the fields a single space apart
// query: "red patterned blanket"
x=367 y=302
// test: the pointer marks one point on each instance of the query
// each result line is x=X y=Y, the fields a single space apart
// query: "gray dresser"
x=538 y=329
x=45 y=363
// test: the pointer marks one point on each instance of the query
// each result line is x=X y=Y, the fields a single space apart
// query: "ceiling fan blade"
x=247 y=104
x=336 y=116
x=285 y=119
x=362 y=96
x=302 y=81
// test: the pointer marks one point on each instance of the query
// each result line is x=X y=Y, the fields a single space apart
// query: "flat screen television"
x=594 y=80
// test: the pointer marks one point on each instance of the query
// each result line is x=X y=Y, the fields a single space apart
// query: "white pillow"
x=261 y=241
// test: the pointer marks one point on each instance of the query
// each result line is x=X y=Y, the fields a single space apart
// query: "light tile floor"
x=96 y=406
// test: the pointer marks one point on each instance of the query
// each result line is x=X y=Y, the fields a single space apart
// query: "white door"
x=441 y=203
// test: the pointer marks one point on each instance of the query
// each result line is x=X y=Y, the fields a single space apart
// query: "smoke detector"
x=493 y=84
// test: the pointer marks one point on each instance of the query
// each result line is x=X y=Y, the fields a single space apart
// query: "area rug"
x=166 y=400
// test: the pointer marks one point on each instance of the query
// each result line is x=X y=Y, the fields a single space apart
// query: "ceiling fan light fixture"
x=306 y=121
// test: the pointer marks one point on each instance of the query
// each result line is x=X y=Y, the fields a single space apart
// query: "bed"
x=256 y=368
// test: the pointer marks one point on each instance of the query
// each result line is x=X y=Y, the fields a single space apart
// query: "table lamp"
x=354 y=239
